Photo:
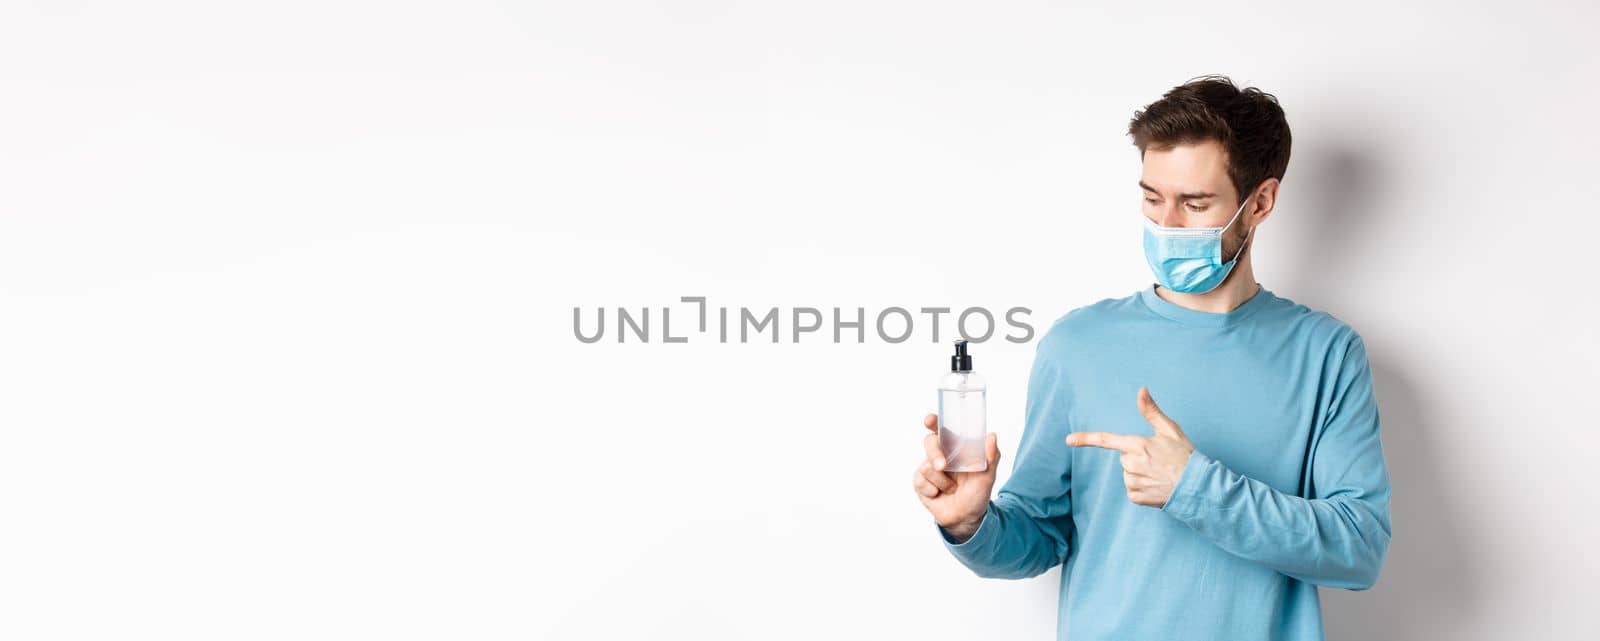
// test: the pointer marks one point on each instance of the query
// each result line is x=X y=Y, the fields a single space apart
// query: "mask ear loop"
x=1247 y=232
x=1236 y=216
x=1246 y=240
x=1242 y=244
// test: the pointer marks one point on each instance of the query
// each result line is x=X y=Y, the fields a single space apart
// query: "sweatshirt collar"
x=1188 y=316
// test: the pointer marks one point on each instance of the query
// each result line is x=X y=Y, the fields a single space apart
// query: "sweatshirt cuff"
x=982 y=539
x=1185 y=504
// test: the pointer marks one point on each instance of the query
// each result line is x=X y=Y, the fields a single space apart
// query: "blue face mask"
x=1189 y=259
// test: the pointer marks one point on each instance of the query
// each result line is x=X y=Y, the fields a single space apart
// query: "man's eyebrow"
x=1191 y=195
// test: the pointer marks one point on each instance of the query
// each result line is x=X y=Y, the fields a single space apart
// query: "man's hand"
x=1151 y=466
x=957 y=500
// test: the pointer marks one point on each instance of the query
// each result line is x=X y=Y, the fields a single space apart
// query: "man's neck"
x=1237 y=288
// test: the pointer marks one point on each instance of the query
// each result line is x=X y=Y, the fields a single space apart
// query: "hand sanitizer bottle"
x=961 y=415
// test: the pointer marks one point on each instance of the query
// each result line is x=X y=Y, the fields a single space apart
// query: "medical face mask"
x=1189 y=259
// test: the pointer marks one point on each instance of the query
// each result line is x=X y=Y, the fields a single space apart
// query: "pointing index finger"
x=1105 y=440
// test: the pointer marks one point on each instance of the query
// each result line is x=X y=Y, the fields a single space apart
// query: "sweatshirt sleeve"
x=1337 y=537
x=1026 y=528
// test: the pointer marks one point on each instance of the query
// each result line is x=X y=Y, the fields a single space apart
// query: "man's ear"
x=1266 y=197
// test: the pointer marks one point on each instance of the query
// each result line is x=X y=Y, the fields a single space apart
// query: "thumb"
x=1157 y=418
x=992 y=450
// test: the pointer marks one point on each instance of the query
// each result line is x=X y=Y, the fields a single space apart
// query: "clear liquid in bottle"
x=962 y=415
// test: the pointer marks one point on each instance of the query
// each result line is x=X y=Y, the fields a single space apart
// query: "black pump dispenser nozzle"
x=961 y=362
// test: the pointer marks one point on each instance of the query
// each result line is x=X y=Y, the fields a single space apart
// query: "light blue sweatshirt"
x=1286 y=489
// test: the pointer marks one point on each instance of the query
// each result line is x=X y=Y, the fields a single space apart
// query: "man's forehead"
x=1189 y=170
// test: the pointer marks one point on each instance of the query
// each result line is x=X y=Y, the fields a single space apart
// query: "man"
x=1259 y=476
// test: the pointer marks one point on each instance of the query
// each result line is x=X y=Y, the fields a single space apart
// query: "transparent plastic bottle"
x=962 y=411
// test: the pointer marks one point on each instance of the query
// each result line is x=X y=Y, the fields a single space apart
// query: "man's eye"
x=1150 y=200
x=1196 y=208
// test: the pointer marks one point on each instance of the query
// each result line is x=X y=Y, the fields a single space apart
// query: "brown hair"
x=1248 y=123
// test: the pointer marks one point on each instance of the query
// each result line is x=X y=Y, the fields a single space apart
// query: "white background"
x=286 y=297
